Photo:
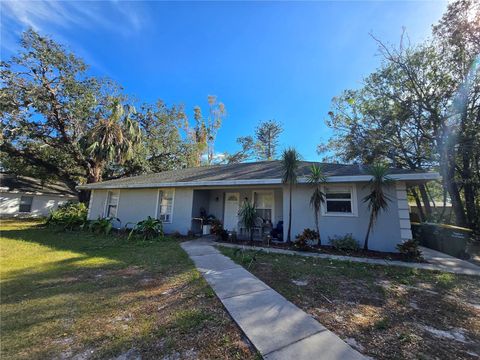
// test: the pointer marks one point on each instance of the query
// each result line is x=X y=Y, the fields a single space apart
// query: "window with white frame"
x=112 y=204
x=25 y=205
x=339 y=200
x=165 y=205
x=264 y=203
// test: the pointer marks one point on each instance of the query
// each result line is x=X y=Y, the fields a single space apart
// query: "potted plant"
x=207 y=224
x=248 y=217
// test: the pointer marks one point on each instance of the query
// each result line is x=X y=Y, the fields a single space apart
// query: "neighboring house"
x=178 y=198
x=22 y=196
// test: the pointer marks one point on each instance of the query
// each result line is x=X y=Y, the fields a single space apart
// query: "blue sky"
x=264 y=60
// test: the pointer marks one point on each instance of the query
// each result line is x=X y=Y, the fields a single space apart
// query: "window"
x=339 y=200
x=264 y=204
x=165 y=205
x=112 y=204
x=26 y=204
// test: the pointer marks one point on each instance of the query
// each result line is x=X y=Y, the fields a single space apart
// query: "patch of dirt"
x=384 y=314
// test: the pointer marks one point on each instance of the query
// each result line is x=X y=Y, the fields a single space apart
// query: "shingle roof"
x=25 y=184
x=264 y=170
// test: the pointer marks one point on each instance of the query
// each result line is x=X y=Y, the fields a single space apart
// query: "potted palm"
x=248 y=217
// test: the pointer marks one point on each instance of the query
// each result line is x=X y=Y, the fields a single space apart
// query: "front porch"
x=223 y=204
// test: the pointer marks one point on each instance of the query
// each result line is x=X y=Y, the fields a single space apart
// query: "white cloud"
x=53 y=18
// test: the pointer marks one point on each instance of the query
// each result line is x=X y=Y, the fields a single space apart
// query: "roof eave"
x=421 y=177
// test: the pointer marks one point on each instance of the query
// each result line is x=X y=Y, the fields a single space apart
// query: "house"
x=179 y=197
x=22 y=196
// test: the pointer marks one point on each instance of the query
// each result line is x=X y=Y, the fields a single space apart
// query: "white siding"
x=42 y=205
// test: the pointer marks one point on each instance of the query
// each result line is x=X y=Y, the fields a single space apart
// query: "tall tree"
x=377 y=199
x=420 y=109
x=166 y=149
x=317 y=178
x=246 y=153
x=204 y=132
x=290 y=163
x=112 y=139
x=59 y=122
x=267 y=134
x=48 y=105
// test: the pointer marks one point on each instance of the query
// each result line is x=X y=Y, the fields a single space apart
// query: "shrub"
x=302 y=239
x=310 y=234
x=219 y=231
x=101 y=226
x=149 y=228
x=70 y=216
x=344 y=243
x=410 y=249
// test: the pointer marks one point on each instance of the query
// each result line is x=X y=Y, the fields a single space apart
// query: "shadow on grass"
x=92 y=291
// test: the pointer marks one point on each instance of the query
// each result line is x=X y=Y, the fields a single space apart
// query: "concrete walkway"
x=435 y=259
x=276 y=327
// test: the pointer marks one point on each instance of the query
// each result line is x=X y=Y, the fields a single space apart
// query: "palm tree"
x=377 y=199
x=112 y=138
x=290 y=162
x=248 y=217
x=317 y=178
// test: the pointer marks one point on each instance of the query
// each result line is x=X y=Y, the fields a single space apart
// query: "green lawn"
x=386 y=312
x=68 y=294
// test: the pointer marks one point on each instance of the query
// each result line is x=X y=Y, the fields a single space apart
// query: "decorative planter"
x=206 y=229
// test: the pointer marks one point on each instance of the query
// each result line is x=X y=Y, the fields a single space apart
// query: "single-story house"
x=179 y=197
x=23 y=196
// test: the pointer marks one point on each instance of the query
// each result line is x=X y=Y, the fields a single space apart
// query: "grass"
x=93 y=296
x=390 y=312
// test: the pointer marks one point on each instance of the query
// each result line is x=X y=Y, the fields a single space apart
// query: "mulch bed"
x=326 y=249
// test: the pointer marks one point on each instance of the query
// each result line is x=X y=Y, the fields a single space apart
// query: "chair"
x=277 y=233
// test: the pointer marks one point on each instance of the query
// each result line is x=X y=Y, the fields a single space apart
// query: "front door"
x=230 y=217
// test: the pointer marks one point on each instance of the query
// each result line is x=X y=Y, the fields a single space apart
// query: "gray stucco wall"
x=215 y=207
x=389 y=230
x=182 y=211
x=137 y=204
x=386 y=231
x=96 y=207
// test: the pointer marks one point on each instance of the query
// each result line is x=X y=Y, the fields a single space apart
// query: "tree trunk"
x=426 y=201
x=318 y=229
x=289 y=238
x=468 y=190
x=452 y=188
x=419 y=204
x=94 y=173
x=365 y=244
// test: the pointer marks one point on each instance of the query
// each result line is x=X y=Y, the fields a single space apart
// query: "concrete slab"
x=270 y=321
x=213 y=263
x=200 y=250
x=323 y=345
x=275 y=326
x=234 y=282
x=446 y=261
